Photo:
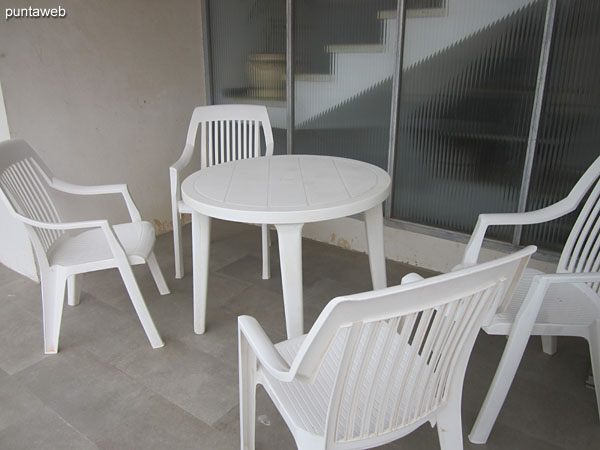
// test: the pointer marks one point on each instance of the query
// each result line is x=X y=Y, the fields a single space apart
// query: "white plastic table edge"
x=236 y=213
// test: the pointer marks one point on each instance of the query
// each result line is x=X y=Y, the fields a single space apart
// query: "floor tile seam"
x=15 y=375
x=226 y=304
x=145 y=387
x=226 y=277
x=220 y=421
x=230 y=236
x=48 y=407
x=131 y=318
x=529 y=433
x=270 y=331
x=191 y=349
x=74 y=428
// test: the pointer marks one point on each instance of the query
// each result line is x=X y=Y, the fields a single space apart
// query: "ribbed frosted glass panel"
x=467 y=92
x=569 y=133
x=248 y=51
x=344 y=63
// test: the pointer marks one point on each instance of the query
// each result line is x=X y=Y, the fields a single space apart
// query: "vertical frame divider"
x=536 y=113
x=289 y=79
x=396 y=86
x=206 y=50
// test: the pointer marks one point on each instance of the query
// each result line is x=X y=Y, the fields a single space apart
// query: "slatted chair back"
x=25 y=180
x=581 y=252
x=402 y=351
x=230 y=132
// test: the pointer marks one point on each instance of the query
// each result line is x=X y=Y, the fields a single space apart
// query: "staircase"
x=361 y=72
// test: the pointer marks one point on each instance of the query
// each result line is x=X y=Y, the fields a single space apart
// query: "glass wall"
x=469 y=79
x=247 y=46
x=248 y=50
x=569 y=133
x=467 y=92
x=345 y=52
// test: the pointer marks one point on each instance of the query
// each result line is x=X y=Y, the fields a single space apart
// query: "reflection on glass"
x=466 y=97
x=569 y=133
x=345 y=54
x=248 y=51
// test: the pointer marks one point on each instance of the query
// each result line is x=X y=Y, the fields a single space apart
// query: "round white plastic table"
x=286 y=191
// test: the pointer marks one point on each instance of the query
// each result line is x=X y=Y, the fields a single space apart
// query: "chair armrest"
x=184 y=159
x=539 y=285
x=98 y=190
x=411 y=278
x=111 y=238
x=264 y=349
x=546 y=214
x=61 y=225
x=174 y=170
x=570 y=277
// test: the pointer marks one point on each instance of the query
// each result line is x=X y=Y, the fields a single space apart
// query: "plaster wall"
x=105 y=94
x=417 y=249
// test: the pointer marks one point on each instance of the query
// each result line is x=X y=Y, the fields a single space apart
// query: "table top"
x=286 y=189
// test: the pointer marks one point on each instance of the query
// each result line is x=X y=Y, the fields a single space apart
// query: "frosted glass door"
x=569 y=136
x=467 y=92
x=344 y=64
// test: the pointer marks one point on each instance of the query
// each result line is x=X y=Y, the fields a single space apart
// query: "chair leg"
x=266 y=260
x=73 y=289
x=511 y=357
x=53 y=297
x=509 y=362
x=449 y=425
x=595 y=357
x=375 y=244
x=247 y=364
x=157 y=274
x=177 y=247
x=549 y=344
x=140 y=306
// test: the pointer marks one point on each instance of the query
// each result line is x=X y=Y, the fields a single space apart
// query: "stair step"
x=255 y=97
x=388 y=14
x=355 y=48
x=318 y=77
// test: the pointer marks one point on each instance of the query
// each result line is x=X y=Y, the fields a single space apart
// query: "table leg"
x=200 y=253
x=374 y=227
x=290 y=256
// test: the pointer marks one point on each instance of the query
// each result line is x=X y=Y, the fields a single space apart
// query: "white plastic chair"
x=565 y=303
x=377 y=365
x=27 y=189
x=227 y=133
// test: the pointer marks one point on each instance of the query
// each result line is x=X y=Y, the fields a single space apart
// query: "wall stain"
x=166 y=226
x=341 y=242
x=162 y=227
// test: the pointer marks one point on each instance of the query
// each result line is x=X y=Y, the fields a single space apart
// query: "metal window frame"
x=396 y=83
x=206 y=50
x=536 y=113
x=289 y=78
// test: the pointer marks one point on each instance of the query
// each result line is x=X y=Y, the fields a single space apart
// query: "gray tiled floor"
x=108 y=389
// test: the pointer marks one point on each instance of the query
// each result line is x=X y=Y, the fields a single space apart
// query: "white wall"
x=417 y=249
x=105 y=94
